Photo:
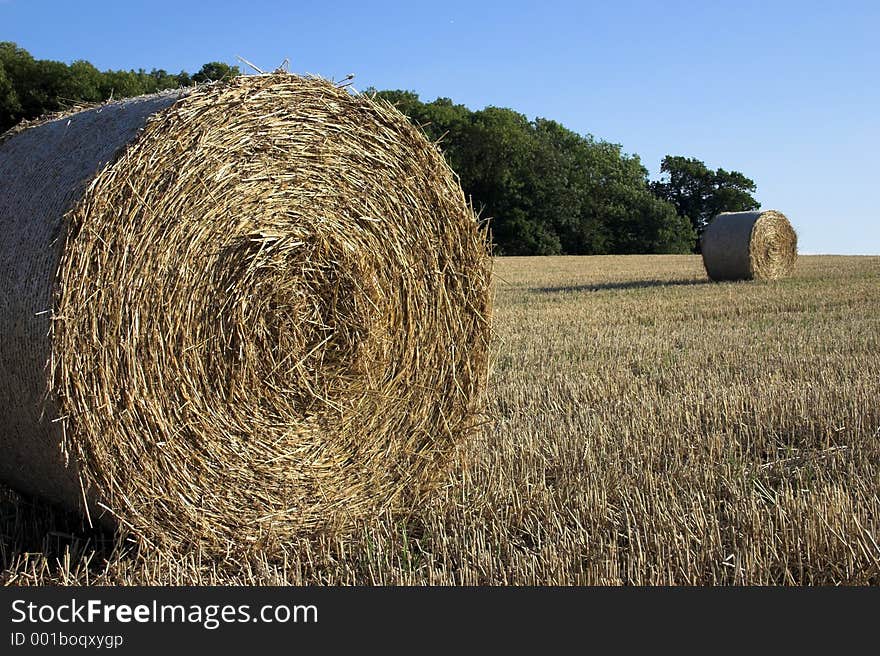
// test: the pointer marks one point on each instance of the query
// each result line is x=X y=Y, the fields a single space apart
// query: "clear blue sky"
x=786 y=92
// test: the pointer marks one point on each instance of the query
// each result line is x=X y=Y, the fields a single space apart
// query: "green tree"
x=31 y=87
x=547 y=189
x=86 y=81
x=214 y=71
x=121 y=84
x=441 y=120
x=699 y=193
x=10 y=107
x=161 y=79
x=598 y=199
x=21 y=71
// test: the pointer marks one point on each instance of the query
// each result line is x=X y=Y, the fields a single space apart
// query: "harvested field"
x=650 y=428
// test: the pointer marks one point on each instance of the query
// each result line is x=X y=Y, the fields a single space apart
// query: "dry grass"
x=651 y=428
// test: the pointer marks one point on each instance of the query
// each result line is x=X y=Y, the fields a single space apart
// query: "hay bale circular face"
x=268 y=314
x=749 y=245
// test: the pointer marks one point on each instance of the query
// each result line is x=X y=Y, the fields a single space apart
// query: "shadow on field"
x=31 y=526
x=628 y=284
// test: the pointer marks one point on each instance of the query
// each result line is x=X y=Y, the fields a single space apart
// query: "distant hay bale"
x=237 y=314
x=749 y=245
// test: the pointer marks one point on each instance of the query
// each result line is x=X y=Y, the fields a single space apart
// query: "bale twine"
x=749 y=245
x=237 y=314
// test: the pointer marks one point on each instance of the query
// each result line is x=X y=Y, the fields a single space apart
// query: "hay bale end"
x=236 y=314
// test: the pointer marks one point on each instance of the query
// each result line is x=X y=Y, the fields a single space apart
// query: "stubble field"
x=647 y=427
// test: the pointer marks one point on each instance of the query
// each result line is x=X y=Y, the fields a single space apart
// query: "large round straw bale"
x=236 y=314
x=749 y=245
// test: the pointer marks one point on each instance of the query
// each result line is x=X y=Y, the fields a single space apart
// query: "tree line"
x=31 y=87
x=547 y=190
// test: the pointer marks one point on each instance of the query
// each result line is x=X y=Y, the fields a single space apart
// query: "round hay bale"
x=749 y=246
x=238 y=314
